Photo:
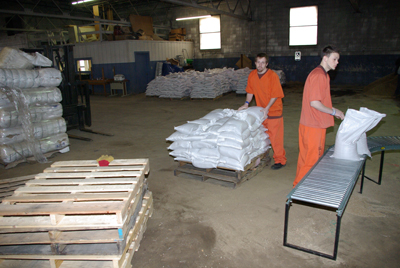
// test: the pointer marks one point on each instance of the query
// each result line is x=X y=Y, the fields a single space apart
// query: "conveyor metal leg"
x=336 y=245
x=380 y=170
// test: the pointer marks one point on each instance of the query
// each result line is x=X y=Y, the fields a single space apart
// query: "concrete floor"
x=201 y=224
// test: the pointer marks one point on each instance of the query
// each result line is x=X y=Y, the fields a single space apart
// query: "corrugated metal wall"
x=123 y=51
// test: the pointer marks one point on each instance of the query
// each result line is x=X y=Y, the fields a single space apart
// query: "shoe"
x=277 y=166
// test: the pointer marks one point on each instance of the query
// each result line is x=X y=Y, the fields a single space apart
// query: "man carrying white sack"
x=316 y=113
x=265 y=86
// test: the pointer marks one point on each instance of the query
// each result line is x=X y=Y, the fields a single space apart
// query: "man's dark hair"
x=263 y=55
x=326 y=51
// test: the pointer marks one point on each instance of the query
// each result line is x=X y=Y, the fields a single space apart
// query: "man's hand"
x=245 y=106
x=265 y=111
x=339 y=114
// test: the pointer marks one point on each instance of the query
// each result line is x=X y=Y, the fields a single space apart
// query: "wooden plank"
x=17 y=179
x=66 y=197
x=76 y=189
x=115 y=162
x=61 y=208
x=132 y=174
x=94 y=169
x=80 y=181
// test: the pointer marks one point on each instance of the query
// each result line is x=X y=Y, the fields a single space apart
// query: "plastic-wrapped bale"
x=223 y=138
x=20 y=150
x=11 y=58
x=9 y=117
x=40 y=95
x=19 y=78
x=41 y=130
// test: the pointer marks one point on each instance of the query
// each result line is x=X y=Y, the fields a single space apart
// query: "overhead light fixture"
x=192 y=18
x=81 y=1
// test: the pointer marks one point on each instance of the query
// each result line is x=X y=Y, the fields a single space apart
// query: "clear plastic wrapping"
x=9 y=117
x=40 y=95
x=41 y=130
x=23 y=78
x=13 y=152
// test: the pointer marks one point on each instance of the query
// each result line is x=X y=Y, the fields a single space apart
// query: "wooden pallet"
x=76 y=202
x=81 y=256
x=227 y=177
x=8 y=186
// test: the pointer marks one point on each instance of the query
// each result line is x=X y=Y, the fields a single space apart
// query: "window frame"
x=77 y=65
x=303 y=26
x=210 y=32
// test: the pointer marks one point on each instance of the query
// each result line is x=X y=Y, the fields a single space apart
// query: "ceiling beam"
x=214 y=10
x=30 y=13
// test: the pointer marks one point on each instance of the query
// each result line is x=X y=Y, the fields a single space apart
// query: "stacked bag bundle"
x=242 y=76
x=224 y=138
x=31 y=122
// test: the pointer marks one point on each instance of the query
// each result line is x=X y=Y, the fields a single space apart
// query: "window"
x=84 y=66
x=303 y=26
x=210 y=33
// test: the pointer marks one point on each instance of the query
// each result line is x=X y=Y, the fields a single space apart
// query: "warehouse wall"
x=121 y=56
x=369 y=40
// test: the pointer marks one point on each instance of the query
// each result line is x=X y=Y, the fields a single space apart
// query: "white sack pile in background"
x=243 y=75
x=351 y=137
x=223 y=138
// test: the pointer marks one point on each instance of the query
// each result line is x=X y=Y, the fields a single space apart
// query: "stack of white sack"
x=179 y=85
x=223 y=138
x=31 y=122
x=206 y=85
x=242 y=76
x=351 y=137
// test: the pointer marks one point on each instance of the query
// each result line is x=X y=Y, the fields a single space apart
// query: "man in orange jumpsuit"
x=265 y=86
x=316 y=113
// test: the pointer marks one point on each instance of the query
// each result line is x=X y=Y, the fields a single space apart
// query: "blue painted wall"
x=129 y=70
x=355 y=70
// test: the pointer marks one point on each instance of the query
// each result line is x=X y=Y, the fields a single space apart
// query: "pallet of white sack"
x=32 y=159
x=227 y=177
x=80 y=201
x=81 y=256
x=8 y=186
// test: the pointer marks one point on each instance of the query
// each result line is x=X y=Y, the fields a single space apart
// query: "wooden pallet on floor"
x=81 y=256
x=8 y=186
x=227 y=177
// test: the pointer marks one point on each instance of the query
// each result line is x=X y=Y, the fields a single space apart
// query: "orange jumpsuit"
x=313 y=123
x=263 y=90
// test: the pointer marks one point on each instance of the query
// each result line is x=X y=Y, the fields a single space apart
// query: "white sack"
x=352 y=133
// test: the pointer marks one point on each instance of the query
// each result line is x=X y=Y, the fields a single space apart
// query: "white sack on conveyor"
x=12 y=152
x=351 y=139
x=49 y=77
x=39 y=95
x=9 y=117
x=41 y=130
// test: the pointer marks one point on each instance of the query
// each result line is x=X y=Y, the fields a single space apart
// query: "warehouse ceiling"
x=25 y=14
